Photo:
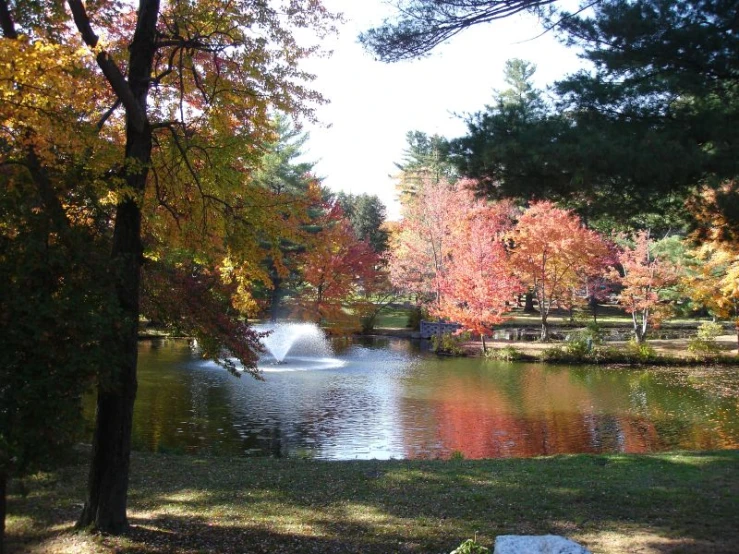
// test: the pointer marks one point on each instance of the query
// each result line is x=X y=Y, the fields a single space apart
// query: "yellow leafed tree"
x=154 y=113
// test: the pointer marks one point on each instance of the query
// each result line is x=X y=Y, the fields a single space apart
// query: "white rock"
x=536 y=544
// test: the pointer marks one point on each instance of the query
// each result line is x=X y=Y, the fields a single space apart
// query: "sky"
x=372 y=105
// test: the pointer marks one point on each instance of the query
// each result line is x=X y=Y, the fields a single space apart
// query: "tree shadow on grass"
x=669 y=503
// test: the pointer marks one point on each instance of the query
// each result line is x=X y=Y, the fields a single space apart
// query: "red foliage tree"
x=336 y=268
x=478 y=281
x=422 y=247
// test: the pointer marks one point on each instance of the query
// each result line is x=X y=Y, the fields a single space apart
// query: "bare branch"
x=99 y=125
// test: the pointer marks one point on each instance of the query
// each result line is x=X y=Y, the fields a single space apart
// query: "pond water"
x=385 y=398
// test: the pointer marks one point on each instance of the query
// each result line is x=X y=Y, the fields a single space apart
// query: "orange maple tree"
x=643 y=277
x=552 y=253
x=421 y=247
x=159 y=108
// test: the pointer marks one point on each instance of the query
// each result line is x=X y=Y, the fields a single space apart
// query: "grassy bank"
x=680 y=502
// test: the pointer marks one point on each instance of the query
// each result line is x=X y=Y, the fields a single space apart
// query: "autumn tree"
x=336 y=269
x=179 y=99
x=423 y=243
x=478 y=283
x=552 y=253
x=643 y=277
x=56 y=311
x=711 y=279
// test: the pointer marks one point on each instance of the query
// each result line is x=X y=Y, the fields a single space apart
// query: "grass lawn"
x=608 y=316
x=393 y=318
x=678 y=502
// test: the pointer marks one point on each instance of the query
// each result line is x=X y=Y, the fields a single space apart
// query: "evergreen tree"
x=367 y=215
x=422 y=25
x=425 y=159
x=627 y=142
x=285 y=174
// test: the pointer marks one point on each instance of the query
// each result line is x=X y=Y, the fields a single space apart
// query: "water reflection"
x=390 y=400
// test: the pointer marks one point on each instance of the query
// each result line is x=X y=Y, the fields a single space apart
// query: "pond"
x=385 y=398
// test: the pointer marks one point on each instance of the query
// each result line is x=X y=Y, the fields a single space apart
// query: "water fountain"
x=296 y=346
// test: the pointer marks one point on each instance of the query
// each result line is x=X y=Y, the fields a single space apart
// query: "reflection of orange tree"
x=543 y=413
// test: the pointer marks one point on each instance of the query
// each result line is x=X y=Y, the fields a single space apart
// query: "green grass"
x=608 y=316
x=678 y=502
x=393 y=318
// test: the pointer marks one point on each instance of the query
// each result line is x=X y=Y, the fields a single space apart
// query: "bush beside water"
x=704 y=343
x=450 y=344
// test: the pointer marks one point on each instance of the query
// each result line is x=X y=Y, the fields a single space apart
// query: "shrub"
x=574 y=351
x=704 y=343
x=470 y=546
x=450 y=343
x=456 y=455
x=642 y=352
x=506 y=354
x=580 y=343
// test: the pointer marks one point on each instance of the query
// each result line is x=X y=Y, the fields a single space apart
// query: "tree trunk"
x=594 y=307
x=528 y=307
x=484 y=346
x=639 y=329
x=275 y=298
x=105 y=508
x=544 y=330
x=3 y=506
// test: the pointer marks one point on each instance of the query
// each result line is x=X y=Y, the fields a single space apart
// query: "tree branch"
x=99 y=125
x=112 y=73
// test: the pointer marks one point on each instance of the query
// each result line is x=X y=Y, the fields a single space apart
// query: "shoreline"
x=667 y=351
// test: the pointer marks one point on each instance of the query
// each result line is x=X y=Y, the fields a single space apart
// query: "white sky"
x=374 y=104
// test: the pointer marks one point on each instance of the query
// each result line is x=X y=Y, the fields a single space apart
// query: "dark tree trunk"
x=528 y=306
x=105 y=508
x=594 y=307
x=3 y=506
x=275 y=297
